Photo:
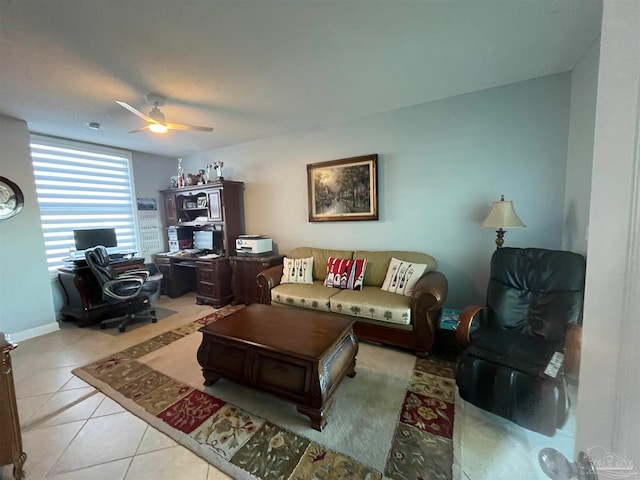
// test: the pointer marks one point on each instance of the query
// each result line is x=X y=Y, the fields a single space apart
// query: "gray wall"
x=441 y=164
x=584 y=83
x=151 y=174
x=26 y=302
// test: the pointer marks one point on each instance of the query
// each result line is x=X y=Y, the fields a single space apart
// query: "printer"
x=253 y=244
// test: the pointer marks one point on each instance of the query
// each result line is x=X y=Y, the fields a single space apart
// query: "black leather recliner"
x=534 y=300
x=129 y=290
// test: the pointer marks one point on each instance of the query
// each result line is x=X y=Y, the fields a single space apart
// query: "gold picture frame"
x=343 y=190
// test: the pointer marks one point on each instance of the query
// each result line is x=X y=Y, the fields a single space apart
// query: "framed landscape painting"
x=345 y=189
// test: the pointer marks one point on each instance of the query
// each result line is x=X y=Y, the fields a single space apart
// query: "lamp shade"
x=502 y=215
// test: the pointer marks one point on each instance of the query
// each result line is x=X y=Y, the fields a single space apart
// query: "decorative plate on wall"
x=11 y=199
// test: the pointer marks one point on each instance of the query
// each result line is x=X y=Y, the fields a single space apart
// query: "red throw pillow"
x=342 y=273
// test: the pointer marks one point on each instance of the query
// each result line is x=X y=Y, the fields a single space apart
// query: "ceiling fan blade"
x=146 y=118
x=146 y=127
x=182 y=126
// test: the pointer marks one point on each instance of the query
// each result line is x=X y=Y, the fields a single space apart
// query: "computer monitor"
x=89 y=238
x=208 y=240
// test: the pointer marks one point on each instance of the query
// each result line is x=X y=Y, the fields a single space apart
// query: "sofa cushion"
x=378 y=263
x=402 y=276
x=320 y=258
x=345 y=273
x=298 y=270
x=371 y=302
x=315 y=296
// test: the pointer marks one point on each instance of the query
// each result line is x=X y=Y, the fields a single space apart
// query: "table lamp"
x=501 y=216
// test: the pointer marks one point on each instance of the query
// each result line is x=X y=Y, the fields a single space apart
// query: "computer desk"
x=83 y=296
x=209 y=277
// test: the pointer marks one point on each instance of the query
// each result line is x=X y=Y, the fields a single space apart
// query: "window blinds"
x=82 y=186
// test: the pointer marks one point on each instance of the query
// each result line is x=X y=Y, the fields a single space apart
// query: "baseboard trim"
x=34 y=332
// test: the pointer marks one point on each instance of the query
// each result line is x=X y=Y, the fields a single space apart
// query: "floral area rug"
x=393 y=420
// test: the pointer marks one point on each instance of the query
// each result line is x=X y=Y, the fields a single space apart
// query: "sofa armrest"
x=267 y=279
x=429 y=294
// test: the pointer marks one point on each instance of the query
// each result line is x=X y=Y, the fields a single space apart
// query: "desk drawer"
x=207 y=289
x=205 y=275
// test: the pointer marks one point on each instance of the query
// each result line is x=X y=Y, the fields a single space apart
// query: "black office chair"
x=130 y=290
x=533 y=309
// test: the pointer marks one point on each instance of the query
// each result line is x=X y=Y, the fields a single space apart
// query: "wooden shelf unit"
x=217 y=203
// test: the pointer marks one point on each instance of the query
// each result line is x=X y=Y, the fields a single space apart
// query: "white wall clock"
x=11 y=199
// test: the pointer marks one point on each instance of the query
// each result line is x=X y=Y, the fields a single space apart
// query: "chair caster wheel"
x=102 y=327
x=154 y=320
x=122 y=329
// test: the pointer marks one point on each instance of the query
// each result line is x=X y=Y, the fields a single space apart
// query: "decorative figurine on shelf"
x=180 y=173
x=191 y=179
x=217 y=166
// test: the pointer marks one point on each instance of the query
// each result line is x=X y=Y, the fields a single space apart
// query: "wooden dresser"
x=10 y=435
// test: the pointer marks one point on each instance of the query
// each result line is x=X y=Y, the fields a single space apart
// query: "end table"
x=244 y=270
x=446 y=343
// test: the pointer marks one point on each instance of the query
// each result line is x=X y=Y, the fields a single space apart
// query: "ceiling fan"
x=155 y=120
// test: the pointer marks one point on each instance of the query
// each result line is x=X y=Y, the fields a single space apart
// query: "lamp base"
x=500 y=237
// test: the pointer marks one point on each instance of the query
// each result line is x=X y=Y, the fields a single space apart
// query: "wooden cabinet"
x=213 y=282
x=10 y=435
x=217 y=204
x=244 y=272
x=216 y=207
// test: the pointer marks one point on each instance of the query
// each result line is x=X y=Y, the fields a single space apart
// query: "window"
x=81 y=186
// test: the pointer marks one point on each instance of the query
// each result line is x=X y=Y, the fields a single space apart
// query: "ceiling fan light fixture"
x=157 y=115
x=156 y=122
x=157 y=128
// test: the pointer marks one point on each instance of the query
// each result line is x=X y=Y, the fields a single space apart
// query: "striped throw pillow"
x=342 y=273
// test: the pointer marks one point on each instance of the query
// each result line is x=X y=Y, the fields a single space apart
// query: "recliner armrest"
x=572 y=351
x=465 y=321
x=267 y=279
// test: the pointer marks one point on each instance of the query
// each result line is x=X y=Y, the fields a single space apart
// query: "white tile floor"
x=493 y=448
x=71 y=431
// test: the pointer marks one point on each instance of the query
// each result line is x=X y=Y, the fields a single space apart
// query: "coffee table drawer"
x=225 y=359
x=277 y=374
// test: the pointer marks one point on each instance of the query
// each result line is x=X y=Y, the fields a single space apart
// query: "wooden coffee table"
x=297 y=355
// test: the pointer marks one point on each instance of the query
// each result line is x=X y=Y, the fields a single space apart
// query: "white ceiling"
x=258 y=68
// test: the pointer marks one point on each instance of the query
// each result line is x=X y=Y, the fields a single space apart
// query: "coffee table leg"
x=316 y=415
x=210 y=378
x=352 y=369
